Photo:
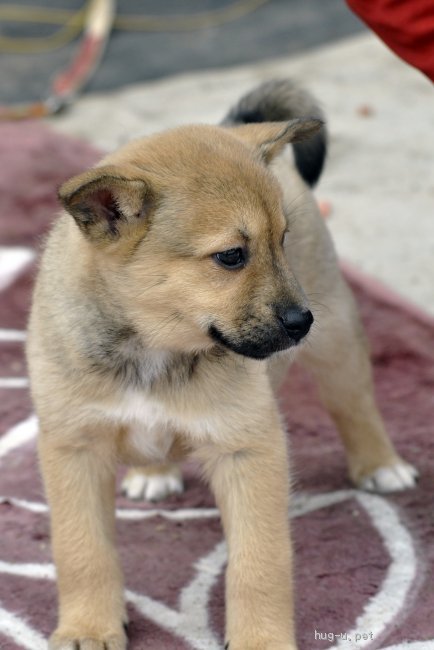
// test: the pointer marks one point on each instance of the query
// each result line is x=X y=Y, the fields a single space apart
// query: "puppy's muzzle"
x=288 y=327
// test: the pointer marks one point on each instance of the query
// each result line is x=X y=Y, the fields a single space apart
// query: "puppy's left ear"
x=269 y=138
x=107 y=202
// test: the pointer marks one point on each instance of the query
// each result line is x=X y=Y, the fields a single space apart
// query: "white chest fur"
x=136 y=406
x=150 y=431
x=153 y=422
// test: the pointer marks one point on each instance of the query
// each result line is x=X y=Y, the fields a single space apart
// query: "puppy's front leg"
x=79 y=478
x=249 y=477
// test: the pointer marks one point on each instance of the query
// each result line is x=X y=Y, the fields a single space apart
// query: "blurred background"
x=168 y=37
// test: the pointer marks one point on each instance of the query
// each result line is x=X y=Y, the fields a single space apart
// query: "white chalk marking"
x=302 y=504
x=183 y=514
x=412 y=645
x=384 y=607
x=128 y=514
x=14 y=382
x=13 y=261
x=21 y=633
x=31 y=506
x=8 y=335
x=18 y=435
x=191 y=623
x=29 y=570
x=194 y=624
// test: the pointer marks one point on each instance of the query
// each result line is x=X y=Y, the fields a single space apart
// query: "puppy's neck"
x=123 y=356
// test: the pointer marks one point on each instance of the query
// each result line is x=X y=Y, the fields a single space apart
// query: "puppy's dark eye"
x=234 y=258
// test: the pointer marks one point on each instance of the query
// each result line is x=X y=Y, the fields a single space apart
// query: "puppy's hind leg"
x=153 y=482
x=338 y=356
x=152 y=476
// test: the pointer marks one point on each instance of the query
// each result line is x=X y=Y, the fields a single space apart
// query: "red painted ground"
x=342 y=562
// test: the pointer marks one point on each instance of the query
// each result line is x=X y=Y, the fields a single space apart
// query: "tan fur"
x=147 y=287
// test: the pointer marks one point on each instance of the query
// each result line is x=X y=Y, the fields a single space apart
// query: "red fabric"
x=406 y=26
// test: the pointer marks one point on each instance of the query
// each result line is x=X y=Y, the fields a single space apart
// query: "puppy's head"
x=183 y=235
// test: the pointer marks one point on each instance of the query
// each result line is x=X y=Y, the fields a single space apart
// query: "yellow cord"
x=31 y=14
x=72 y=23
x=201 y=20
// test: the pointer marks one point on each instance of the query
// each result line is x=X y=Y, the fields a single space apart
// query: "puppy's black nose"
x=296 y=322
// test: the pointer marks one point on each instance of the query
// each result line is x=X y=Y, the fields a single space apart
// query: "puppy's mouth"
x=259 y=346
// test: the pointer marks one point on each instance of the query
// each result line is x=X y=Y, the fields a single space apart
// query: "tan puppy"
x=166 y=289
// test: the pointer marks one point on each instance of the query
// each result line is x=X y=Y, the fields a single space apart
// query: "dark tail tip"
x=281 y=100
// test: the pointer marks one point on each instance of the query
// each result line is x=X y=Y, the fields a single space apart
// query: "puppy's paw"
x=109 y=642
x=391 y=478
x=153 y=484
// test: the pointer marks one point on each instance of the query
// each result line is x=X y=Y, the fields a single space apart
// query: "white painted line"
x=21 y=633
x=194 y=625
x=305 y=503
x=183 y=514
x=31 y=506
x=412 y=645
x=38 y=571
x=14 y=382
x=12 y=335
x=190 y=621
x=383 y=608
x=18 y=435
x=13 y=261
x=302 y=504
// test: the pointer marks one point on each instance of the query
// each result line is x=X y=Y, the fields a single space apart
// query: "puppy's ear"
x=107 y=202
x=269 y=138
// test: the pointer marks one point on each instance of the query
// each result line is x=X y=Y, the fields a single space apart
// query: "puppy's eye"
x=234 y=258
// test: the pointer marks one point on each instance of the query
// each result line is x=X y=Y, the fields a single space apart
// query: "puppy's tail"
x=281 y=100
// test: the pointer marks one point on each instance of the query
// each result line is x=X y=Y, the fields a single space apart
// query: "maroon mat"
x=363 y=562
